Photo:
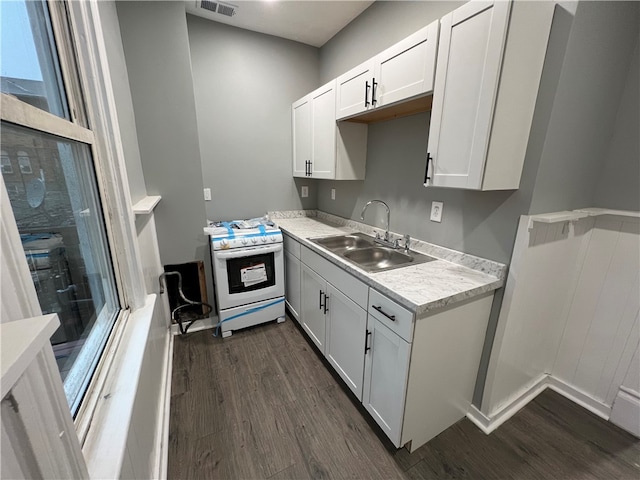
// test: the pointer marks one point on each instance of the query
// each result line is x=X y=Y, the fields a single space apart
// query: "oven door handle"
x=241 y=252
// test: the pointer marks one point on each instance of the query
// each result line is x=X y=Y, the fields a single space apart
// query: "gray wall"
x=618 y=185
x=156 y=47
x=581 y=128
x=244 y=85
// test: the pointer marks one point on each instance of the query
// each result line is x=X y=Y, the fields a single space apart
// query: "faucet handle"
x=407 y=242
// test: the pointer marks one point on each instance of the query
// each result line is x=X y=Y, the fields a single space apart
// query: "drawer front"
x=346 y=283
x=291 y=245
x=397 y=318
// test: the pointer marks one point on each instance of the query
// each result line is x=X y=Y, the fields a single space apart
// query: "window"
x=57 y=206
x=5 y=162
x=24 y=161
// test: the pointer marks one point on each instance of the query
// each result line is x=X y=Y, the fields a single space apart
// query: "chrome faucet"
x=386 y=239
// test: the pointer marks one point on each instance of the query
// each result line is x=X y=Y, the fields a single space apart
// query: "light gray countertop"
x=420 y=288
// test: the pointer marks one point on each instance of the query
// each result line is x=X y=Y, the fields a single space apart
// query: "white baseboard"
x=489 y=423
x=579 y=397
x=202 y=324
x=161 y=447
x=626 y=411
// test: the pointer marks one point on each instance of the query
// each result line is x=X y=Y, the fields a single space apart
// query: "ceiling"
x=310 y=22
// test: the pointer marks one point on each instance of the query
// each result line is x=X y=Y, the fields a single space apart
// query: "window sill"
x=146 y=205
x=105 y=446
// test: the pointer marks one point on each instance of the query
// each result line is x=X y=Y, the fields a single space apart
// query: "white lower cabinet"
x=415 y=376
x=292 y=276
x=313 y=315
x=292 y=292
x=346 y=332
x=385 y=377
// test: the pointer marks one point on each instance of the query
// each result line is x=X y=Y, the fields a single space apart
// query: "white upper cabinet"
x=401 y=72
x=301 y=123
x=484 y=95
x=354 y=90
x=321 y=148
x=406 y=70
x=323 y=133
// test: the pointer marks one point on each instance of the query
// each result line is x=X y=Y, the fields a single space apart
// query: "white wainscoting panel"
x=604 y=305
x=530 y=327
x=571 y=311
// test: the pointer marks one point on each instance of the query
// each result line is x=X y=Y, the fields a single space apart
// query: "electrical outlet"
x=305 y=191
x=333 y=194
x=207 y=194
x=436 y=211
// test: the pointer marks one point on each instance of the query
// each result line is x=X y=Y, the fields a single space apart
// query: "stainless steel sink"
x=361 y=250
x=338 y=242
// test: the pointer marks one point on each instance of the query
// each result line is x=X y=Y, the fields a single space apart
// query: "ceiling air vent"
x=208 y=5
x=226 y=9
x=219 y=7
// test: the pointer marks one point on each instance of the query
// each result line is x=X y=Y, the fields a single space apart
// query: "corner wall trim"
x=489 y=423
x=626 y=411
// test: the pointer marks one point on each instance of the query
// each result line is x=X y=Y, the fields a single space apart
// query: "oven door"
x=248 y=275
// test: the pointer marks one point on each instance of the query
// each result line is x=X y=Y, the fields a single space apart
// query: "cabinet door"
x=301 y=124
x=385 y=377
x=406 y=69
x=354 y=90
x=323 y=132
x=292 y=286
x=346 y=332
x=470 y=52
x=313 y=317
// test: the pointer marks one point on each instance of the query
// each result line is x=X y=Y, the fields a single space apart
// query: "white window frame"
x=108 y=157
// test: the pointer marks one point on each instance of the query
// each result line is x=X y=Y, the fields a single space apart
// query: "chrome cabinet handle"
x=390 y=317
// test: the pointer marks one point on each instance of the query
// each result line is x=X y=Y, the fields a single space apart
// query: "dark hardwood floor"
x=261 y=404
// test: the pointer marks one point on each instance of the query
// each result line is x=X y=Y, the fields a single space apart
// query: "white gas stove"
x=248 y=270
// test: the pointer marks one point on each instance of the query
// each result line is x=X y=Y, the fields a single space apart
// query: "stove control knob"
x=244 y=241
x=264 y=239
x=254 y=240
x=273 y=239
x=224 y=244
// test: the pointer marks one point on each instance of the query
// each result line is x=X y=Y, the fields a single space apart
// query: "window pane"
x=29 y=68
x=54 y=198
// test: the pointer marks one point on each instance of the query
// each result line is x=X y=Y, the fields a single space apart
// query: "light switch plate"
x=305 y=191
x=333 y=194
x=207 y=194
x=436 y=211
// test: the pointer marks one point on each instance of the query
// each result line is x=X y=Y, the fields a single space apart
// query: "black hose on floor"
x=188 y=303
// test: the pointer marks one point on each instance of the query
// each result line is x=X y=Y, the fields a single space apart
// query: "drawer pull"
x=390 y=317
x=366 y=342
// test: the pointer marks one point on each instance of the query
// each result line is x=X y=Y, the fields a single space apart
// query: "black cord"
x=188 y=303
